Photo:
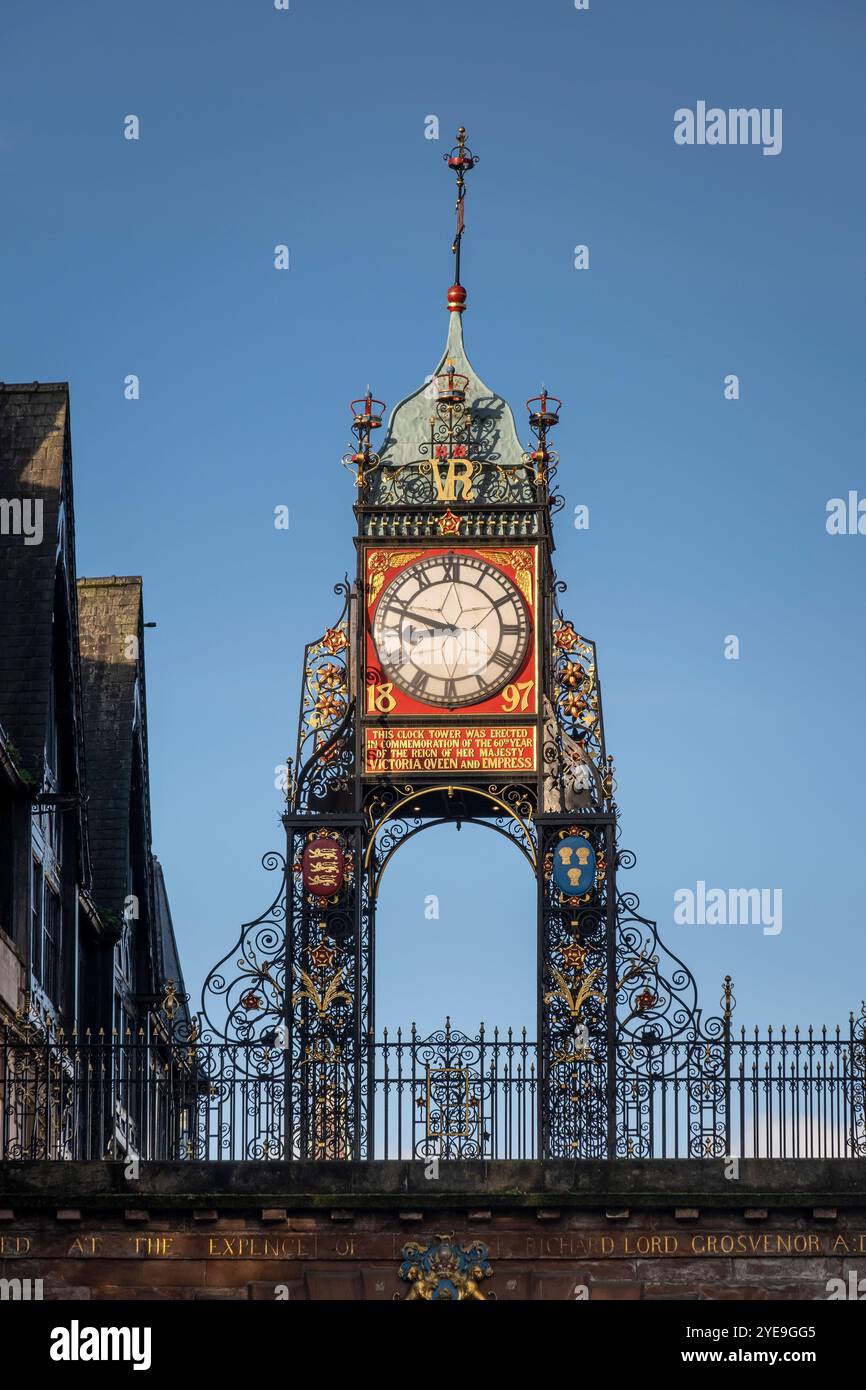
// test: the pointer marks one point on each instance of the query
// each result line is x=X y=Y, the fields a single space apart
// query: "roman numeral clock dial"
x=451 y=630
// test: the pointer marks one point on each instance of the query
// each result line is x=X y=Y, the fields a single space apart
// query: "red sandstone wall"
x=333 y=1254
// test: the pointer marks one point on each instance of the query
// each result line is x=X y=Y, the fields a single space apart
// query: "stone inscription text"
x=306 y=1245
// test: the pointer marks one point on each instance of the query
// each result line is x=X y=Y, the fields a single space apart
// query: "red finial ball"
x=456 y=299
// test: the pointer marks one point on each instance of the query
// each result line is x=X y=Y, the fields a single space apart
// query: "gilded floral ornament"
x=378 y=564
x=519 y=561
x=565 y=637
x=264 y=993
x=331 y=677
x=325 y=754
x=329 y=708
x=574 y=956
x=448 y=523
x=574 y=736
x=324 y=996
x=322 y=955
x=577 y=995
x=572 y=677
x=335 y=639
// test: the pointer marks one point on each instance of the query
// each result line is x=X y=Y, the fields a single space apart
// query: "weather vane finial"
x=461 y=160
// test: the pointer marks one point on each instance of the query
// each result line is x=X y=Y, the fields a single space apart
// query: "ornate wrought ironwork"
x=858 y=1084
x=459 y=460
x=325 y=752
x=449 y=1095
x=156 y=1096
x=395 y=812
x=662 y=1034
x=366 y=417
x=249 y=982
x=578 y=774
x=326 y=1015
x=543 y=417
x=575 y=970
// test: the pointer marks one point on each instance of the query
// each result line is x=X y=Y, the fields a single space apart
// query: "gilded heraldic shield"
x=444 y=1270
x=574 y=866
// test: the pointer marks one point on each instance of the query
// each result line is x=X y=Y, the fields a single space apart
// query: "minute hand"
x=424 y=621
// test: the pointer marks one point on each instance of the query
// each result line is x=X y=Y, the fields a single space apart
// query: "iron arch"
x=514 y=820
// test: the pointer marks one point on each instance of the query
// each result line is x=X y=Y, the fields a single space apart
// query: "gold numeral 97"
x=516 y=697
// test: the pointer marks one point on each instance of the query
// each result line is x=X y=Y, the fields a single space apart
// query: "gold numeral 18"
x=379 y=698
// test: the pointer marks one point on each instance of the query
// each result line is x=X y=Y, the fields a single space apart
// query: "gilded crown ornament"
x=543 y=416
x=367 y=415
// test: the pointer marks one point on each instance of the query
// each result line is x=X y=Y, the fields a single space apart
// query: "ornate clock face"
x=451 y=630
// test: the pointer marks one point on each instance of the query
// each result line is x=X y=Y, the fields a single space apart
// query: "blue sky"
x=707 y=516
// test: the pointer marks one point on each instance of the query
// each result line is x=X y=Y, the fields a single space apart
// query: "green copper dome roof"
x=427 y=435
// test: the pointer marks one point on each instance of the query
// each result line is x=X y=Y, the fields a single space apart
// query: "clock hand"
x=439 y=623
x=417 y=634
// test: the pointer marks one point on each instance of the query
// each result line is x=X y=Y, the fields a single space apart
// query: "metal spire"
x=461 y=160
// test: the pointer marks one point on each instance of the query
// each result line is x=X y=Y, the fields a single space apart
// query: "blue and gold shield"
x=574 y=866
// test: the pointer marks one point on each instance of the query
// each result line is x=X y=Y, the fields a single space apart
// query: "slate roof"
x=109 y=613
x=8 y=766
x=34 y=449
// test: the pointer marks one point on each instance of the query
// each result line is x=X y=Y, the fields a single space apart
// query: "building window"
x=123 y=957
x=36 y=917
x=51 y=919
x=46 y=920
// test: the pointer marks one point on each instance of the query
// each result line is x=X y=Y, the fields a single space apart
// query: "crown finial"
x=461 y=160
x=366 y=416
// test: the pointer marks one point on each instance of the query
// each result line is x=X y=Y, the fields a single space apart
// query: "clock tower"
x=451 y=688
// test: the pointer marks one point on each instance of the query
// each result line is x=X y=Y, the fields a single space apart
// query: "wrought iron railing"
x=785 y=1095
x=443 y=1096
x=452 y=1096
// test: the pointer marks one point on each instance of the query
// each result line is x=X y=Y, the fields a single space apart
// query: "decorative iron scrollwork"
x=857 y=1138
x=578 y=775
x=249 y=982
x=574 y=969
x=325 y=753
x=662 y=1038
x=460 y=459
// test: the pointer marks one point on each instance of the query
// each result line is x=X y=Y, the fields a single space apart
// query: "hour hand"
x=429 y=623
